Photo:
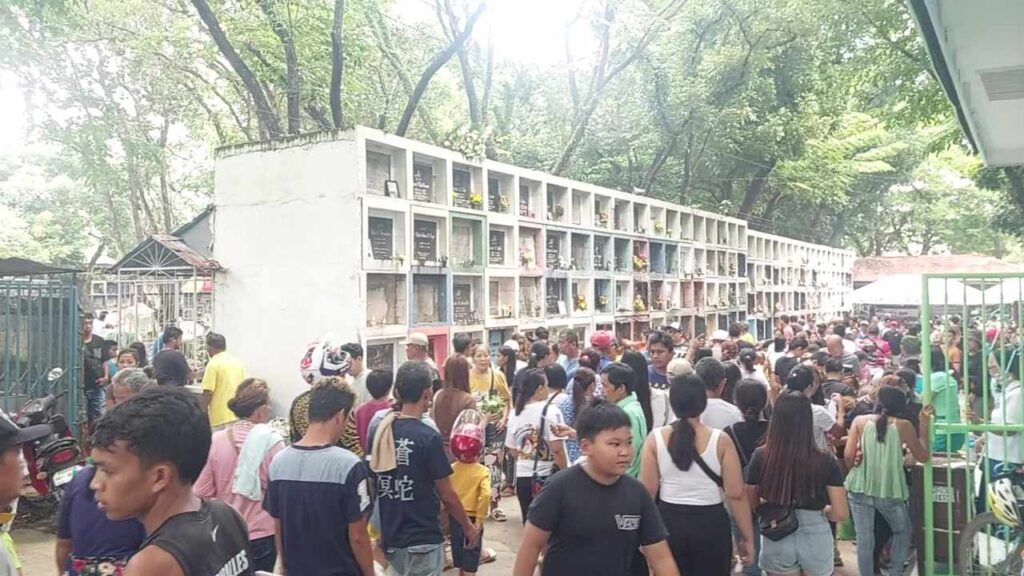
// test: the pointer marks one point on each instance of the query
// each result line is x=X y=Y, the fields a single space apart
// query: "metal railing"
x=969 y=388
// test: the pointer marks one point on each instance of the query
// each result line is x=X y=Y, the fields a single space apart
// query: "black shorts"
x=467 y=559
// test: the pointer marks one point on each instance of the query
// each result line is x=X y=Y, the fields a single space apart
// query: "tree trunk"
x=293 y=81
x=270 y=126
x=485 y=101
x=380 y=34
x=467 y=70
x=755 y=188
x=603 y=76
x=165 y=198
x=439 y=60
x=337 y=63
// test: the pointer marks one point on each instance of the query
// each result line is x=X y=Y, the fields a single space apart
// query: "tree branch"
x=337 y=63
x=439 y=60
x=270 y=126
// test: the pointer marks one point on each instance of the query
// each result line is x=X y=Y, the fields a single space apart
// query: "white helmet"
x=1002 y=502
x=324 y=358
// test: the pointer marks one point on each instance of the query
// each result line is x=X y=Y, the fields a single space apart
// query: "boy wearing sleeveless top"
x=148 y=451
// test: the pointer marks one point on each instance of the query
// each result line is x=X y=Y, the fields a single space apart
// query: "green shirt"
x=638 y=427
x=880 y=473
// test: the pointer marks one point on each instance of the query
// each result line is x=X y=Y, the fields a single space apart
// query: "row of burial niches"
x=467 y=243
x=468 y=187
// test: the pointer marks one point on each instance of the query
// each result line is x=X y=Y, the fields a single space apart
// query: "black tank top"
x=210 y=542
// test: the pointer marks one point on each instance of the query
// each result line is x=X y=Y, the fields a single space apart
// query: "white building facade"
x=370 y=236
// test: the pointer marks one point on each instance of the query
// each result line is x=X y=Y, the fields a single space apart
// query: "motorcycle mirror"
x=55 y=374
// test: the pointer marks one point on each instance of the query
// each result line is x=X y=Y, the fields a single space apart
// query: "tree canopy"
x=818 y=119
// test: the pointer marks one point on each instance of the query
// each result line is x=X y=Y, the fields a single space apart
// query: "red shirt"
x=365 y=413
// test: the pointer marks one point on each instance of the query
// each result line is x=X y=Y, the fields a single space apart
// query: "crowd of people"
x=667 y=456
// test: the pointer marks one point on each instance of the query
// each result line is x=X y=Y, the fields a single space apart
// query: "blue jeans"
x=424 y=560
x=94 y=399
x=263 y=553
x=896 y=514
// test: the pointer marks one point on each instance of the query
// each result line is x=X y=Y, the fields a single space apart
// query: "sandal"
x=488 y=555
x=498 y=515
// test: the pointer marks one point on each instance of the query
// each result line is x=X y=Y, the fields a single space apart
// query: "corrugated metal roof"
x=26 y=267
x=162 y=251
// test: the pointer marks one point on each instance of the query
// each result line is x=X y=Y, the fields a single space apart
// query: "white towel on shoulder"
x=250 y=458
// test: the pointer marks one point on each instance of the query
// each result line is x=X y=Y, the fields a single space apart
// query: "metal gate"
x=970 y=373
x=39 y=332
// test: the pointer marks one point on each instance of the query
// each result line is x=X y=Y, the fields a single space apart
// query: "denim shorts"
x=808 y=550
x=467 y=559
x=424 y=560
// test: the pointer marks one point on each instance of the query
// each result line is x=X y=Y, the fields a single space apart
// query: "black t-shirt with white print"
x=595 y=529
x=212 y=541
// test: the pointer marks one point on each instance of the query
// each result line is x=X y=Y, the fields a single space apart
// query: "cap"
x=673 y=326
x=721 y=335
x=513 y=344
x=11 y=435
x=417 y=339
x=991 y=334
x=894 y=324
x=601 y=339
x=679 y=367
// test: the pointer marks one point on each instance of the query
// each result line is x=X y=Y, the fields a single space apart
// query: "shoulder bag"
x=537 y=483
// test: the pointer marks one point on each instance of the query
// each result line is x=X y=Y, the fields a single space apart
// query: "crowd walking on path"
x=670 y=456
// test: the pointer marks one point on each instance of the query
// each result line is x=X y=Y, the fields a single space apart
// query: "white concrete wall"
x=288 y=234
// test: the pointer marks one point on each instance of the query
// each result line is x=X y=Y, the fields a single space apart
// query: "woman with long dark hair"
x=789 y=477
x=878 y=483
x=733 y=375
x=687 y=466
x=638 y=363
x=539 y=357
x=507 y=363
x=452 y=399
x=751 y=398
x=530 y=436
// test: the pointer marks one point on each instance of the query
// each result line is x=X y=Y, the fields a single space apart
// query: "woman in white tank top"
x=687 y=466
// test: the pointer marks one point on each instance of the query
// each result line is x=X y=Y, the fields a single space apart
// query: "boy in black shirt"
x=592 y=517
x=148 y=451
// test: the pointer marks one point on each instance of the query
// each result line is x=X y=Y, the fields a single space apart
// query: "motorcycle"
x=52 y=460
x=993 y=542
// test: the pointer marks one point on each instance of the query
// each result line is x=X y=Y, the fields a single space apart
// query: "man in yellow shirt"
x=223 y=374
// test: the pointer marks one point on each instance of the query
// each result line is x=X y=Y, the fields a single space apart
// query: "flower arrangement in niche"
x=504 y=202
x=580 y=303
x=471 y=143
x=602 y=218
x=559 y=211
x=526 y=259
x=640 y=263
x=602 y=301
x=659 y=228
x=476 y=201
x=638 y=304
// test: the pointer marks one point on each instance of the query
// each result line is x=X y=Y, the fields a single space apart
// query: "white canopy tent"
x=1008 y=291
x=905 y=290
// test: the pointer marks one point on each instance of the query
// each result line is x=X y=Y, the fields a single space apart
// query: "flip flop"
x=488 y=556
x=498 y=515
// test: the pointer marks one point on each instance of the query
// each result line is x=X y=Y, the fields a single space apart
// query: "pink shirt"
x=219 y=473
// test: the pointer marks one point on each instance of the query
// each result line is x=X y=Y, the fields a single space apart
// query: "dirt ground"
x=36 y=547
